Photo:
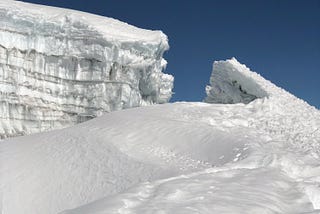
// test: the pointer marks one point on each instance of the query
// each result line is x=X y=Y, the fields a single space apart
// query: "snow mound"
x=232 y=82
x=59 y=67
x=169 y=157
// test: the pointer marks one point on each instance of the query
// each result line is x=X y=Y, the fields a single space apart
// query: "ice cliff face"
x=60 y=67
x=232 y=82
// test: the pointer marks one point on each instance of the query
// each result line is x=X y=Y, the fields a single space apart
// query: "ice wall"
x=59 y=67
x=232 y=82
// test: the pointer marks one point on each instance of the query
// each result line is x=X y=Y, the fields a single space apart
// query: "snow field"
x=259 y=153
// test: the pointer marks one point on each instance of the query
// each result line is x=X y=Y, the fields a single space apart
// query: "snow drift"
x=59 y=67
x=260 y=157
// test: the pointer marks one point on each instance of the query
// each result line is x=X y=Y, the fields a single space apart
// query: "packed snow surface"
x=59 y=67
x=260 y=157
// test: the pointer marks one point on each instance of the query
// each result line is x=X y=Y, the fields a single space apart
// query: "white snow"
x=231 y=191
x=59 y=67
x=108 y=27
x=260 y=157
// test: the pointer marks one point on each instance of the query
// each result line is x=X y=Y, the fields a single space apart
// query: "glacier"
x=60 y=67
x=184 y=157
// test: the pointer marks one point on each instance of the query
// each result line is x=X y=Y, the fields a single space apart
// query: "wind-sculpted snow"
x=227 y=191
x=60 y=67
x=172 y=158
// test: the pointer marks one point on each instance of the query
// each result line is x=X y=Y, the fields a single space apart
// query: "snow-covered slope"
x=59 y=67
x=261 y=157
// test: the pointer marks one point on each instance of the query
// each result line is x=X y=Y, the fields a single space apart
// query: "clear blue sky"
x=280 y=39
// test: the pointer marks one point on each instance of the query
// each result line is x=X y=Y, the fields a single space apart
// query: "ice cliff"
x=59 y=67
x=232 y=82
